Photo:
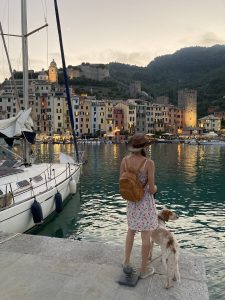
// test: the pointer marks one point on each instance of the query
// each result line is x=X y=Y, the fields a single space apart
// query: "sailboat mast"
x=25 y=66
x=66 y=80
x=24 y=51
x=10 y=67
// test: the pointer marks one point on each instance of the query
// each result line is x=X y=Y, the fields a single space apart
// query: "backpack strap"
x=125 y=164
x=143 y=163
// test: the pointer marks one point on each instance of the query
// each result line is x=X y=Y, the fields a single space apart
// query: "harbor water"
x=190 y=180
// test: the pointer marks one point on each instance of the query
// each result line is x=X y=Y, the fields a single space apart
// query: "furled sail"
x=15 y=127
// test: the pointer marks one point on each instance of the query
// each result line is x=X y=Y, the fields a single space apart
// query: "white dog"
x=169 y=246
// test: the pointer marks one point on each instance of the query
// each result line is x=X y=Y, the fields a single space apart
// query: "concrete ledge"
x=36 y=267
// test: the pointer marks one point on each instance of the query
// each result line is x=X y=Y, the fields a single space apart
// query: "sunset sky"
x=102 y=31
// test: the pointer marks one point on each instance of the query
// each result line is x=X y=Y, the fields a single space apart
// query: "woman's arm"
x=151 y=176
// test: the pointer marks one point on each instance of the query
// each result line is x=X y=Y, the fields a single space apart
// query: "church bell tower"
x=53 y=72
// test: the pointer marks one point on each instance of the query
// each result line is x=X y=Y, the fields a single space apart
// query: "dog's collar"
x=161 y=218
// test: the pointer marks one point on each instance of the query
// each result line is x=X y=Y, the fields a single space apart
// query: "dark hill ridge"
x=200 y=68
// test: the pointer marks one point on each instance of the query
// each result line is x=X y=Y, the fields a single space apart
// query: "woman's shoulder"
x=150 y=162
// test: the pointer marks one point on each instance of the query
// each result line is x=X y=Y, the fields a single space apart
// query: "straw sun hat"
x=137 y=142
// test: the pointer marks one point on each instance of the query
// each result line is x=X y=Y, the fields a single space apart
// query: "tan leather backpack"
x=130 y=187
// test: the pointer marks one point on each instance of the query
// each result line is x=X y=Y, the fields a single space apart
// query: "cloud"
x=206 y=39
x=210 y=38
x=139 y=58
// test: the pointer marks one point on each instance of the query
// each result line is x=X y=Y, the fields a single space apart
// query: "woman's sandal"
x=147 y=273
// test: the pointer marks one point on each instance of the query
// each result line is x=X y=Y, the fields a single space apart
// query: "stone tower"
x=135 y=89
x=187 y=101
x=53 y=72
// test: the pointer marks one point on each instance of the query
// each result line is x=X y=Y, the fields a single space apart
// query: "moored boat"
x=30 y=192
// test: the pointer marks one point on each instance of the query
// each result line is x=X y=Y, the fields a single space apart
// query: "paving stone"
x=36 y=267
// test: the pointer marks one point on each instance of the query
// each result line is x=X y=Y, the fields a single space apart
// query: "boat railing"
x=49 y=180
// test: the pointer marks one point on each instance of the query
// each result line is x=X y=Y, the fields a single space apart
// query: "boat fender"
x=58 y=202
x=36 y=211
x=73 y=186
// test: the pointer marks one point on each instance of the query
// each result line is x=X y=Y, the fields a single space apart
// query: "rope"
x=10 y=238
x=155 y=258
x=45 y=11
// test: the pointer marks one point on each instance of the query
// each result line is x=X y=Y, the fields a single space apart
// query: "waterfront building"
x=187 y=101
x=140 y=116
x=129 y=114
x=8 y=102
x=163 y=118
x=109 y=120
x=175 y=118
x=118 y=117
x=84 y=116
x=9 y=105
x=210 y=123
x=97 y=122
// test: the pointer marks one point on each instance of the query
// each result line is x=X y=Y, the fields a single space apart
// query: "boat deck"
x=5 y=171
x=37 y=267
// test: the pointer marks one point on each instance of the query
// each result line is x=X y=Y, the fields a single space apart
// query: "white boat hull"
x=18 y=218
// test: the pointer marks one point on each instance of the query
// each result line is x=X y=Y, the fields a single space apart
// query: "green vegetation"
x=197 y=68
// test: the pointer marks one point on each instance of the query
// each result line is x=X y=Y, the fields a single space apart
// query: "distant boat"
x=212 y=142
x=30 y=192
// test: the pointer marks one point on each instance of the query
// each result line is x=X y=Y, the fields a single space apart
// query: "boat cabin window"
x=23 y=183
x=37 y=178
x=9 y=163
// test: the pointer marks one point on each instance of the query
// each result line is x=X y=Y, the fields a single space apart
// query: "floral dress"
x=142 y=215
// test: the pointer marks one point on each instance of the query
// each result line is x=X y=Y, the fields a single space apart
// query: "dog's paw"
x=168 y=285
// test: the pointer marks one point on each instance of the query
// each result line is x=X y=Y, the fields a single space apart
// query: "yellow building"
x=53 y=72
x=187 y=101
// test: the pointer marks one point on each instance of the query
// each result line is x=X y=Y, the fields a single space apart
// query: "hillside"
x=199 y=68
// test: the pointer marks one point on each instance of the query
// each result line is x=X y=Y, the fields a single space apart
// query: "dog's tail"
x=171 y=244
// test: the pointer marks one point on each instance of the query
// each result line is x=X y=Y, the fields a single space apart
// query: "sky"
x=103 y=31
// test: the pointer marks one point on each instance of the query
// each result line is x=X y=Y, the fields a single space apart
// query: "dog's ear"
x=166 y=213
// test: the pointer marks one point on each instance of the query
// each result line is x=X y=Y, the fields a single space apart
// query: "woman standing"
x=142 y=215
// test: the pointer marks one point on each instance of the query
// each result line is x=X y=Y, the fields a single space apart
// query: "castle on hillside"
x=90 y=71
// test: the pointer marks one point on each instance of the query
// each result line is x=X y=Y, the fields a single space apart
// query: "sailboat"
x=30 y=192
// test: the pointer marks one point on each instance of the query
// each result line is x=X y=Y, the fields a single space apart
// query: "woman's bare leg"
x=145 y=236
x=129 y=245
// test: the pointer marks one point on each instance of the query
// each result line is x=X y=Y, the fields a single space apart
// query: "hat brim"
x=133 y=149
